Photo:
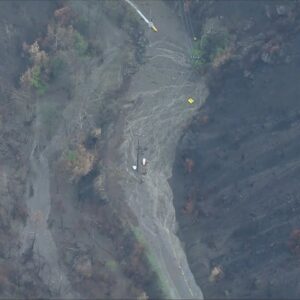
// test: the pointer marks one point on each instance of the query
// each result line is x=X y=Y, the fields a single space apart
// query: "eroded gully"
x=36 y=236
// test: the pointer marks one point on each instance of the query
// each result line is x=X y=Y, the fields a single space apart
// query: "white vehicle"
x=144 y=161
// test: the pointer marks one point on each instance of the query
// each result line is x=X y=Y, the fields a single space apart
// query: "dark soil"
x=235 y=181
x=235 y=177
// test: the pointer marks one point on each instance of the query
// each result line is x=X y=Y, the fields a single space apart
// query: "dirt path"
x=157 y=116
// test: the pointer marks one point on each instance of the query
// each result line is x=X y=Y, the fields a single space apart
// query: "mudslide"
x=156 y=117
x=157 y=114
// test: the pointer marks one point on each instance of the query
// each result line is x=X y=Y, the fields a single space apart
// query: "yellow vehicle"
x=152 y=26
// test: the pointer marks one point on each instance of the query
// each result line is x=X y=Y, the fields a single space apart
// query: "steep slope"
x=238 y=202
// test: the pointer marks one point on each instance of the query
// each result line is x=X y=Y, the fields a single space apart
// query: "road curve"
x=157 y=115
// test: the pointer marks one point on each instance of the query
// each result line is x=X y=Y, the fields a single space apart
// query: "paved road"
x=158 y=115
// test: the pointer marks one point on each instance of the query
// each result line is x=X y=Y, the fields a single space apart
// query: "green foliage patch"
x=208 y=47
x=160 y=280
x=36 y=81
x=80 y=44
x=71 y=156
x=112 y=265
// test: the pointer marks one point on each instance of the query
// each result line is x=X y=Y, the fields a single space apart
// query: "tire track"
x=158 y=118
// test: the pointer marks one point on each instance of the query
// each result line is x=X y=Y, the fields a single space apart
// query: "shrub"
x=40 y=61
x=112 y=265
x=80 y=44
x=294 y=242
x=56 y=67
x=37 y=56
x=71 y=156
x=197 y=57
x=79 y=162
x=64 y=15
